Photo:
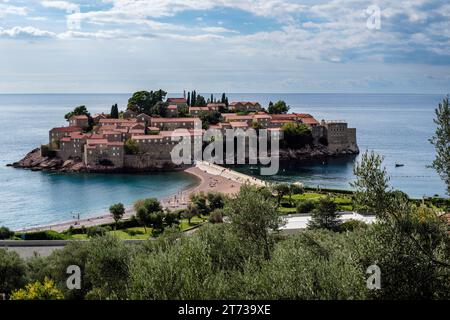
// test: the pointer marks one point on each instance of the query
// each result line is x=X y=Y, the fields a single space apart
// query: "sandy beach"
x=210 y=178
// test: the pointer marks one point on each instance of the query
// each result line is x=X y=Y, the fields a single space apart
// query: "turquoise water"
x=397 y=126
x=30 y=198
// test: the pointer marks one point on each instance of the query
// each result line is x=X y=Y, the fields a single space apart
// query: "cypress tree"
x=212 y=98
x=194 y=98
x=189 y=99
x=115 y=111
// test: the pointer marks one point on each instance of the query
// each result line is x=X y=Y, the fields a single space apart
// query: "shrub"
x=306 y=206
x=352 y=225
x=216 y=216
x=12 y=271
x=5 y=233
x=131 y=147
x=38 y=291
x=44 y=235
x=97 y=231
x=47 y=152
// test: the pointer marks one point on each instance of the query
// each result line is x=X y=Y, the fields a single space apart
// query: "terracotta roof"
x=92 y=142
x=212 y=105
x=121 y=121
x=79 y=117
x=262 y=116
x=198 y=109
x=234 y=103
x=177 y=100
x=172 y=107
x=281 y=121
x=174 y=119
x=66 y=129
x=99 y=115
x=285 y=116
x=239 y=124
x=248 y=117
x=310 y=120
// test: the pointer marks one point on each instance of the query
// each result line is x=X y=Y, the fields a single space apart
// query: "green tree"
x=189 y=99
x=143 y=217
x=200 y=101
x=296 y=135
x=216 y=200
x=411 y=244
x=5 y=233
x=200 y=201
x=114 y=111
x=372 y=185
x=38 y=291
x=117 y=210
x=131 y=146
x=325 y=215
x=12 y=271
x=191 y=211
x=78 y=111
x=281 y=190
x=107 y=266
x=253 y=217
x=140 y=102
x=144 y=101
x=441 y=142
x=159 y=109
x=278 y=108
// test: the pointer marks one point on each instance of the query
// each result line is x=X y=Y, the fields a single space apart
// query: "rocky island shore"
x=36 y=162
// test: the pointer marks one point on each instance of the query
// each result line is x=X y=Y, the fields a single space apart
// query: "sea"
x=396 y=126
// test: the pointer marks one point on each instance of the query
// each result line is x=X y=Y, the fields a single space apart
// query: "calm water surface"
x=397 y=126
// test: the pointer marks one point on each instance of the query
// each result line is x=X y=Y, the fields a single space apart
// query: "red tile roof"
x=174 y=119
x=66 y=129
x=79 y=117
x=239 y=124
x=176 y=100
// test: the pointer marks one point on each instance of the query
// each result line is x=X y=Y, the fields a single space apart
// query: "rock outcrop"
x=36 y=162
x=308 y=152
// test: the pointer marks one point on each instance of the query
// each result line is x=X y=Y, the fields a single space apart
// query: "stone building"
x=240 y=106
x=81 y=121
x=339 y=138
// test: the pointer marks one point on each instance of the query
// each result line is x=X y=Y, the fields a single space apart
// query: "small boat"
x=399 y=165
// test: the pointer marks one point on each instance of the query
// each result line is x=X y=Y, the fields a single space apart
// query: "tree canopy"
x=441 y=142
x=144 y=101
x=78 y=111
x=296 y=135
x=278 y=108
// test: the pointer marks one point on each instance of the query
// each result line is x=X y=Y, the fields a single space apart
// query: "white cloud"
x=26 y=32
x=59 y=4
x=218 y=30
x=7 y=9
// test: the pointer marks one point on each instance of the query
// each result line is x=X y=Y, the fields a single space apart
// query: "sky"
x=112 y=46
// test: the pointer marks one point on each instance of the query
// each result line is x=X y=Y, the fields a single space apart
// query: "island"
x=139 y=139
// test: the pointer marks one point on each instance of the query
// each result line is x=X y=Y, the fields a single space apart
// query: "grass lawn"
x=139 y=233
x=344 y=202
